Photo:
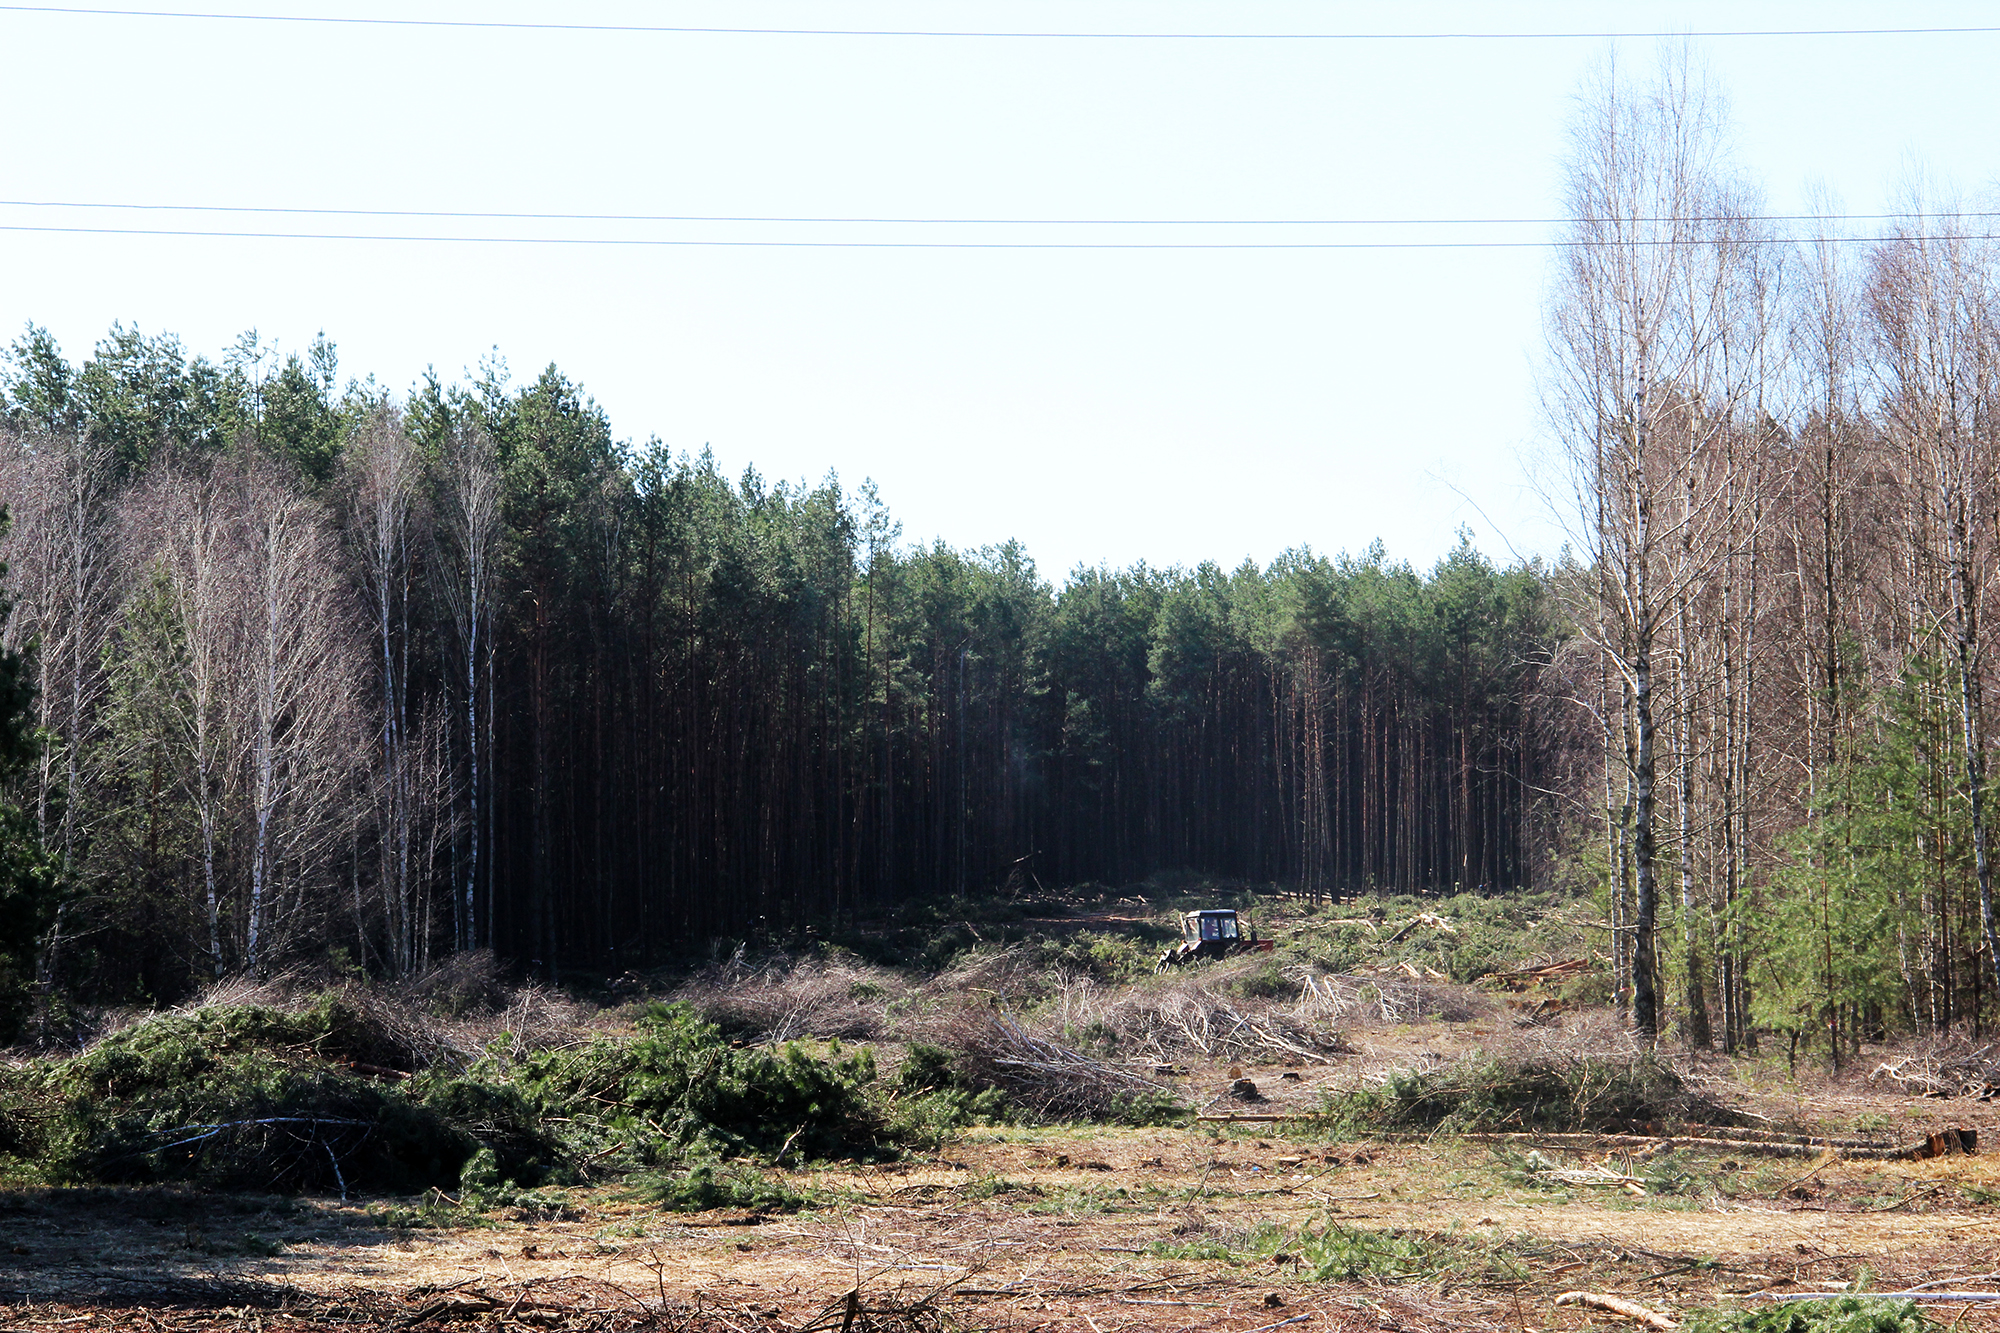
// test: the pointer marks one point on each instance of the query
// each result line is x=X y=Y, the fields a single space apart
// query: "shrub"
x=737 y=1185
x=931 y=1098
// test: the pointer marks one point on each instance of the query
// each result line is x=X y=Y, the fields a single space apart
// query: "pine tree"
x=28 y=877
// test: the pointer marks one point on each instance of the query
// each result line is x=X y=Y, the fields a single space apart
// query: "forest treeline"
x=315 y=668
x=1782 y=437
x=320 y=669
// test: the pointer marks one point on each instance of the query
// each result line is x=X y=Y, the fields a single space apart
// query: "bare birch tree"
x=385 y=475
x=181 y=522
x=299 y=675
x=468 y=536
x=63 y=567
x=1645 y=379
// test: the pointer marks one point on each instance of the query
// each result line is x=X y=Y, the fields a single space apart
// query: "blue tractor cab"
x=1209 y=934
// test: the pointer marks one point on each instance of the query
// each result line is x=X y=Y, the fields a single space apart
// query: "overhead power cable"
x=813 y=244
x=693 y=30
x=1822 y=219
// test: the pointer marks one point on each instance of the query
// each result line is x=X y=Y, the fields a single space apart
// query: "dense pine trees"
x=318 y=669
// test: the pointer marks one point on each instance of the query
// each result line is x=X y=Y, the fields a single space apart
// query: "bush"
x=709 y=1185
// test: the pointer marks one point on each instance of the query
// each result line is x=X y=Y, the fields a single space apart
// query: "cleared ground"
x=1221 y=1227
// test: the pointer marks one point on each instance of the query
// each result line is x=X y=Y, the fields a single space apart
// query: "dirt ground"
x=1089 y=1229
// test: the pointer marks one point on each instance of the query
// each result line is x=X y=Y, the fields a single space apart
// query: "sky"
x=1102 y=406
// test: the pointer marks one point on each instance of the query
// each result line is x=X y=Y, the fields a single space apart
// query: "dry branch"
x=1617 y=1305
x=1051 y=1078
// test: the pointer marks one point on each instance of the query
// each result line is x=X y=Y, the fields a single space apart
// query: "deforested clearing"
x=1035 y=1134
x=463 y=867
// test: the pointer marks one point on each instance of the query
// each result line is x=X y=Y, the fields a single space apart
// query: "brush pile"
x=1355 y=999
x=1546 y=1091
x=1045 y=1077
x=779 y=998
x=238 y=1096
x=1947 y=1068
x=349 y=1091
x=1175 y=1022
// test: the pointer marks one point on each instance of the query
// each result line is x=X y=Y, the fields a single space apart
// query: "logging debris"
x=1531 y=978
x=1052 y=1079
x=1944 y=1072
x=1428 y=920
x=1619 y=1306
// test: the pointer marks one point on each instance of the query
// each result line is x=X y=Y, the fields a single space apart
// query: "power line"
x=496 y=216
x=686 y=30
x=782 y=244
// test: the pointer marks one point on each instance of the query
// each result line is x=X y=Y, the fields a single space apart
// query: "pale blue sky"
x=1113 y=406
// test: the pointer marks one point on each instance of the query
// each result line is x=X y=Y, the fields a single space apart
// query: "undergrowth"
x=1488 y=932
x=1329 y=1250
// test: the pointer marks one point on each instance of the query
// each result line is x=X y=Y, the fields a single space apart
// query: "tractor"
x=1214 y=933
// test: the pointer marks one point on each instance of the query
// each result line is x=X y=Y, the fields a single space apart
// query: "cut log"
x=1619 y=1306
x=1748 y=1147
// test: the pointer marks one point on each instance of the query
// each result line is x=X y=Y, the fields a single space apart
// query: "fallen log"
x=1913 y=1295
x=1527 y=978
x=1935 y=1145
x=1618 y=1306
x=1430 y=919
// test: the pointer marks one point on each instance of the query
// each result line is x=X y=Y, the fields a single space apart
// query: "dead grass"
x=779 y=998
x=1206 y=1013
